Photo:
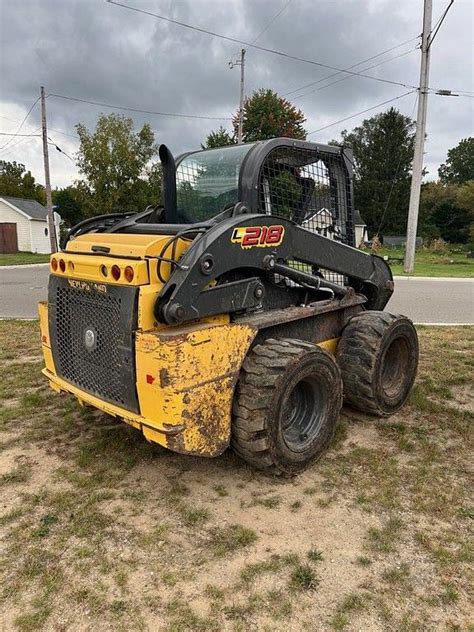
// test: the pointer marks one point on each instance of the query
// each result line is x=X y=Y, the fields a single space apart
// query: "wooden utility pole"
x=242 y=94
x=417 y=172
x=47 y=180
x=240 y=62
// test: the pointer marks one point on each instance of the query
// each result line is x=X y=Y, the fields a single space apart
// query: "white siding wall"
x=7 y=214
x=39 y=240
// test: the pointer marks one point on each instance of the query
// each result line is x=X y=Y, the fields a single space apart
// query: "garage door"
x=8 y=238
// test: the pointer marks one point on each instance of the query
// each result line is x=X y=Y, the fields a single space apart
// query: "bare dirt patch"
x=100 y=529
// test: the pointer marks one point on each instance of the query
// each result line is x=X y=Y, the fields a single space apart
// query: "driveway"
x=424 y=300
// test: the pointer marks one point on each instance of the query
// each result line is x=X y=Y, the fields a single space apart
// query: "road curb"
x=426 y=278
x=25 y=265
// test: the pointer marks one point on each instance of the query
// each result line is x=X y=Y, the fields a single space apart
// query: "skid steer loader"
x=237 y=313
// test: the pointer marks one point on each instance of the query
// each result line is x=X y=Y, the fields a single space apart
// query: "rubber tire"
x=363 y=356
x=268 y=376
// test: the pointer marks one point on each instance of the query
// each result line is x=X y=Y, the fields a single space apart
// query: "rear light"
x=116 y=273
x=54 y=264
x=70 y=266
x=104 y=271
x=129 y=274
x=62 y=265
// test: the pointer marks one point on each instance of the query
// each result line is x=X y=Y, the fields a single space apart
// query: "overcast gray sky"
x=96 y=51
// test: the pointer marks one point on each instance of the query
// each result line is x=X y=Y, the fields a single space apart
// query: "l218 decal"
x=258 y=236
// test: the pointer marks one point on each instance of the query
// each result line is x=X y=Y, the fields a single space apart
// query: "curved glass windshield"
x=208 y=181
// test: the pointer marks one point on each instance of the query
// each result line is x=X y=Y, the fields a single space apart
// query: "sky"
x=97 y=51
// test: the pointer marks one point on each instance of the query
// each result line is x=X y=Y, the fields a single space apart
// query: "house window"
x=46 y=231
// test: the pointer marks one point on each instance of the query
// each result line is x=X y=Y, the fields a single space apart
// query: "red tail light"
x=62 y=265
x=129 y=273
x=116 y=273
x=54 y=264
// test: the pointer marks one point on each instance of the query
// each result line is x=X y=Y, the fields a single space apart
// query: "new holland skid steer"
x=237 y=313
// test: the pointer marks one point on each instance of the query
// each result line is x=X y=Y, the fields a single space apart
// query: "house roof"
x=31 y=208
x=358 y=221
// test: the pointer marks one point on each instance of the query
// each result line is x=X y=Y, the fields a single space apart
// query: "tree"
x=447 y=211
x=67 y=203
x=219 y=138
x=267 y=115
x=383 y=151
x=15 y=181
x=459 y=166
x=115 y=163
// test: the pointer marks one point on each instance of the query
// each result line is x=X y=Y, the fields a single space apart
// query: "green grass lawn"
x=429 y=263
x=102 y=530
x=21 y=258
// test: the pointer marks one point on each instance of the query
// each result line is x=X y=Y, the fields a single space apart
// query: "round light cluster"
x=115 y=271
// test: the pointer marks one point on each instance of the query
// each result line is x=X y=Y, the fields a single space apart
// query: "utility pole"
x=419 y=139
x=47 y=180
x=240 y=63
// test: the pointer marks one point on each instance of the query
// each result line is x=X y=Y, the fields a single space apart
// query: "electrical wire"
x=275 y=17
x=380 y=63
x=256 y=46
x=438 y=24
x=394 y=177
x=21 y=125
x=320 y=129
x=129 y=109
x=17 y=135
x=19 y=142
x=335 y=74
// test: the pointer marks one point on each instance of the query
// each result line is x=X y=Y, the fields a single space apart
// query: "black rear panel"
x=92 y=329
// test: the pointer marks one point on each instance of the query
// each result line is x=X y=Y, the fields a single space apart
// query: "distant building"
x=24 y=226
x=360 y=229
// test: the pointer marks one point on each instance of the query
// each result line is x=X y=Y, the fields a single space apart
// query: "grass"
x=21 y=258
x=101 y=530
x=452 y=262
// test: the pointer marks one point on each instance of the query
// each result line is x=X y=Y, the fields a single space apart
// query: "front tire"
x=286 y=405
x=378 y=357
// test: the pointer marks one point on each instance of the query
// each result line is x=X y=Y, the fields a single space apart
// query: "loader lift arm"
x=189 y=293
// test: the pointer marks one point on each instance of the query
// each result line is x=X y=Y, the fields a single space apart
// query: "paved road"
x=425 y=300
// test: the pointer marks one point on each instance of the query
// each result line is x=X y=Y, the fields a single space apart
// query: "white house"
x=24 y=226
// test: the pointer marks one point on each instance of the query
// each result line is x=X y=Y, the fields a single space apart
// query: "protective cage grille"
x=312 y=188
x=92 y=338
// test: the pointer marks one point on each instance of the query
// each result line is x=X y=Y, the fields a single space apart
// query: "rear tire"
x=286 y=405
x=378 y=357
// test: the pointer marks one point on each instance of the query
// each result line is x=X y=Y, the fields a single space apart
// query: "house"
x=360 y=229
x=24 y=226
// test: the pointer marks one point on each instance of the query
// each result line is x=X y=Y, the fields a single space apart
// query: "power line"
x=129 y=109
x=362 y=112
x=275 y=17
x=9 y=134
x=389 y=50
x=380 y=63
x=257 y=47
x=21 y=125
x=438 y=24
x=395 y=176
x=19 y=142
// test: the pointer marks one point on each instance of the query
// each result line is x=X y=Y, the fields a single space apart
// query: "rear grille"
x=91 y=329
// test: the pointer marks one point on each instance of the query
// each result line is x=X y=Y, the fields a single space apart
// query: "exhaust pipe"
x=169 y=184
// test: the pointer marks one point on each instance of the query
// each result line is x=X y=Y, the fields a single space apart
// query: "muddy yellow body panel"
x=184 y=376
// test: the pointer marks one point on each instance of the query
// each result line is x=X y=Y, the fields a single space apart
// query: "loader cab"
x=308 y=183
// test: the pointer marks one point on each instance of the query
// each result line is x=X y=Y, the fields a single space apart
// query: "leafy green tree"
x=267 y=115
x=218 y=138
x=459 y=166
x=15 y=181
x=383 y=151
x=447 y=211
x=114 y=161
x=68 y=204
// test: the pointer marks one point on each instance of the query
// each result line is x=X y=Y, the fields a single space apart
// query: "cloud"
x=94 y=50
